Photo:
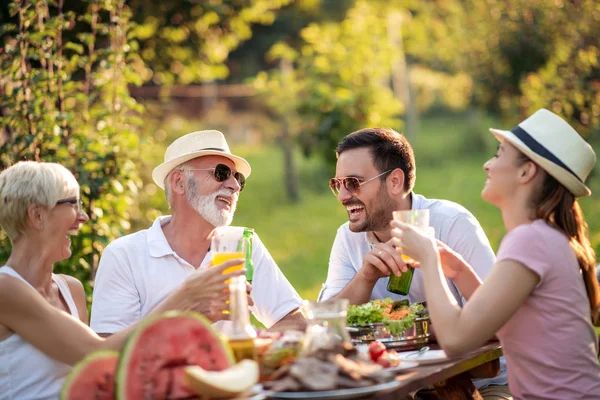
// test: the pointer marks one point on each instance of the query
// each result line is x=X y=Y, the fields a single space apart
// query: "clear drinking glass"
x=420 y=219
x=326 y=325
x=228 y=243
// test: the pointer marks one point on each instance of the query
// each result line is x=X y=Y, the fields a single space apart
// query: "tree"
x=340 y=80
x=65 y=99
x=185 y=42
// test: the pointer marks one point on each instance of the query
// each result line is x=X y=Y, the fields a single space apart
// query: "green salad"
x=396 y=316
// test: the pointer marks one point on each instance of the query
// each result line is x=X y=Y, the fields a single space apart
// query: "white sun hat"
x=193 y=145
x=554 y=145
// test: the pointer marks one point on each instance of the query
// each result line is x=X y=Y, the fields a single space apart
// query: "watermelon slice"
x=152 y=362
x=92 y=378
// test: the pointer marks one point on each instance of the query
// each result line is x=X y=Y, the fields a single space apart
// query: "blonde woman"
x=542 y=293
x=43 y=316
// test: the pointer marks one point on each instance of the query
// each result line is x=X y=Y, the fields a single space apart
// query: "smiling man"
x=375 y=175
x=202 y=182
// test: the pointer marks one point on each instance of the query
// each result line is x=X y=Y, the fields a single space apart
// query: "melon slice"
x=150 y=366
x=92 y=378
x=223 y=384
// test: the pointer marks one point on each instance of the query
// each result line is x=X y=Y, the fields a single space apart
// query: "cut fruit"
x=223 y=384
x=151 y=362
x=92 y=378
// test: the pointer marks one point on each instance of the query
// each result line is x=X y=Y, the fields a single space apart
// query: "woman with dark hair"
x=43 y=316
x=542 y=295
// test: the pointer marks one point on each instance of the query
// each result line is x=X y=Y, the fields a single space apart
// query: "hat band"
x=540 y=150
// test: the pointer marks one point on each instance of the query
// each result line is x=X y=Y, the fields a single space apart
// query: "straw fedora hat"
x=554 y=145
x=193 y=145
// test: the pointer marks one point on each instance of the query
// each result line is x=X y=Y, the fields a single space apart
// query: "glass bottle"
x=242 y=334
x=247 y=236
x=326 y=326
x=401 y=284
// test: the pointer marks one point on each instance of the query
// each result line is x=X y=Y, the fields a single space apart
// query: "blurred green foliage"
x=510 y=57
x=184 y=41
x=65 y=99
x=337 y=82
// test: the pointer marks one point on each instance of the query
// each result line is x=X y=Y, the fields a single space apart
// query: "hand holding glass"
x=228 y=244
x=419 y=219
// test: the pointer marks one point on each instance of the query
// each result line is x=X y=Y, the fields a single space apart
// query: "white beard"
x=206 y=206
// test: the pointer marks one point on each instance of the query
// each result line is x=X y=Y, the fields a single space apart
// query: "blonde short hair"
x=30 y=183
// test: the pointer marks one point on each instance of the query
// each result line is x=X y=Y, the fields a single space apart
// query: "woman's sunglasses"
x=351 y=183
x=222 y=172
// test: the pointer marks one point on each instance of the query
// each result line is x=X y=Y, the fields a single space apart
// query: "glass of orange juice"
x=227 y=244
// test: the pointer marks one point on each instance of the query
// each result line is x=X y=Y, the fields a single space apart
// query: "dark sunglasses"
x=222 y=172
x=76 y=201
x=351 y=183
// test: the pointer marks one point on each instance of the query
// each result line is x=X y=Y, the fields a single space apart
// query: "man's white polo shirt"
x=138 y=271
x=453 y=224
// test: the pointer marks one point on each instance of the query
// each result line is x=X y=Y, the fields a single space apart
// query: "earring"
x=42 y=227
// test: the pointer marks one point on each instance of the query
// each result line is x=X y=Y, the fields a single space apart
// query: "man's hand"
x=294 y=320
x=384 y=259
x=204 y=291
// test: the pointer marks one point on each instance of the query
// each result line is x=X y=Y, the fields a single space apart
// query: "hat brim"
x=160 y=172
x=568 y=180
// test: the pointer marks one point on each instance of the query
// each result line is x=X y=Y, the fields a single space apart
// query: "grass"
x=299 y=236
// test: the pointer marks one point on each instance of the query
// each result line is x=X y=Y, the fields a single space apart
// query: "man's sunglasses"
x=351 y=183
x=76 y=201
x=222 y=172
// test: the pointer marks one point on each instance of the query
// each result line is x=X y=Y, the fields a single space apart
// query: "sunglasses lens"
x=352 y=184
x=334 y=185
x=222 y=172
x=241 y=180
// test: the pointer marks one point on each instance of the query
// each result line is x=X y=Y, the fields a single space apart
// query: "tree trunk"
x=401 y=76
x=290 y=174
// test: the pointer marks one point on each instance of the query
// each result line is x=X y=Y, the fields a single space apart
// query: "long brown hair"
x=560 y=209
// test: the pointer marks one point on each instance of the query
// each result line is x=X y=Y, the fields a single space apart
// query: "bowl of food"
x=277 y=350
x=395 y=324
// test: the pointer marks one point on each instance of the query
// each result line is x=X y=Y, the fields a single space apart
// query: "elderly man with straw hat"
x=202 y=180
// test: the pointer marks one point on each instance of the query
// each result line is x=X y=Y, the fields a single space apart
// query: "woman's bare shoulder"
x=74 y=283
x=10 y=285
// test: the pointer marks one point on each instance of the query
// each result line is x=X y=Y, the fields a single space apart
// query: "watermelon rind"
x=80 y=366
x=130 y=344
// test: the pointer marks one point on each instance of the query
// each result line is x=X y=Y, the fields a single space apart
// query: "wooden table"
x=452 y=379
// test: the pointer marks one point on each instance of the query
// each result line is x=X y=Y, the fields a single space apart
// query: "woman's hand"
x=453 y=264
x=414 y=243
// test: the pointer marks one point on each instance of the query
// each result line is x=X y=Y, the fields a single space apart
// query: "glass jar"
x=326 y=326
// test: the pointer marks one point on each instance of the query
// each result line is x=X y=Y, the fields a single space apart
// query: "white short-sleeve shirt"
x=138 y=271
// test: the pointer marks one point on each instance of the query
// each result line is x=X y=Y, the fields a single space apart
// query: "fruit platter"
x=177 y=355
x=396 y=324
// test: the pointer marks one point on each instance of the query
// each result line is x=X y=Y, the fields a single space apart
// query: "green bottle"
x=401 y=284
x=247 y=236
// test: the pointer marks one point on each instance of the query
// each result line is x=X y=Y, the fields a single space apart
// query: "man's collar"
x=158 y=246
x=372 y=239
